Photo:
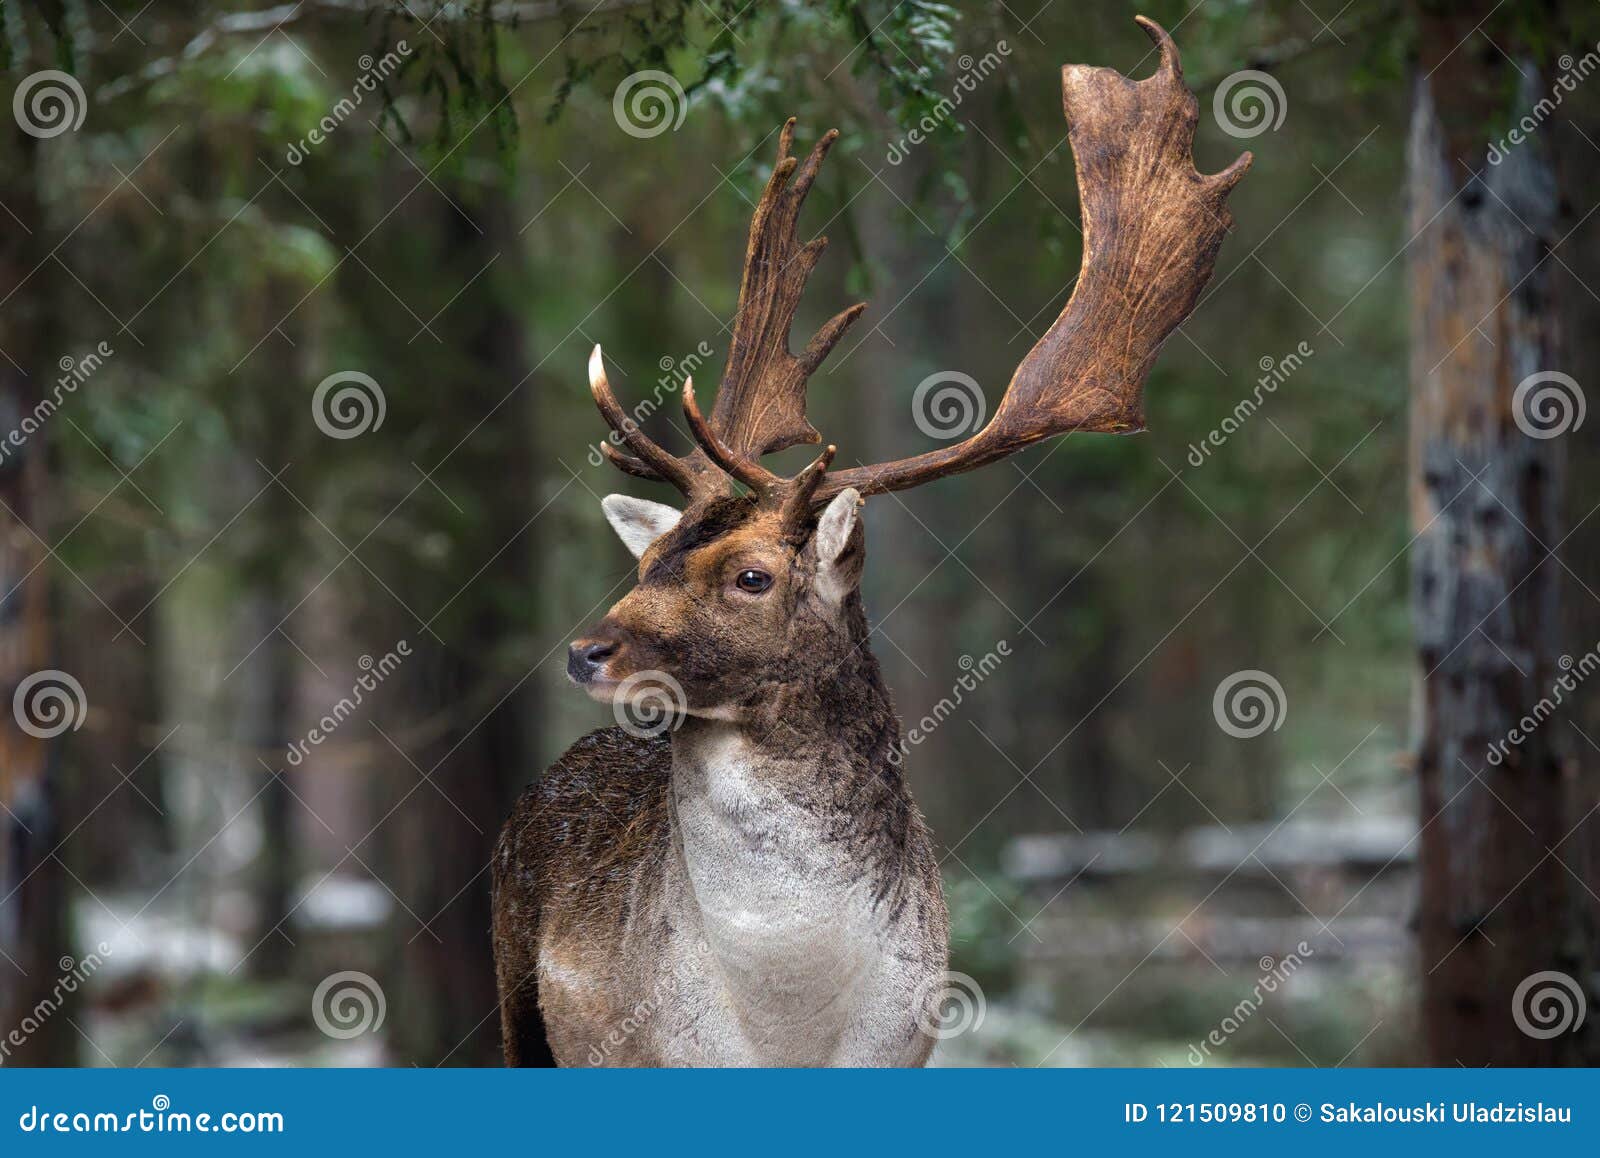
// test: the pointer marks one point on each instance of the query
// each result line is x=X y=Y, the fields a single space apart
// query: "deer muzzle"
x=586 y=659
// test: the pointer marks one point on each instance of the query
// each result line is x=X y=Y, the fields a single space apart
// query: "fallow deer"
x=757 y=887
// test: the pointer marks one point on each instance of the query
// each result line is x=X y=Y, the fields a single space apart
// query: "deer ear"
x=638 y=522
x=839 y=546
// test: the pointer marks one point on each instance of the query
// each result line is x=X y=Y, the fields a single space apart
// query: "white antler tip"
x=597 y=366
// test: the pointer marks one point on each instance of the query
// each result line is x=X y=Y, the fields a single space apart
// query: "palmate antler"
x=1152 y=226
x=761 y=403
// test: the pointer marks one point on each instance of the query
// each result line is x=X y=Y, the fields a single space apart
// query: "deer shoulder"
x=572 y=848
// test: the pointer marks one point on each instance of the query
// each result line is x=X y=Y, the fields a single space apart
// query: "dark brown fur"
x=579 y=865
x=595 y=817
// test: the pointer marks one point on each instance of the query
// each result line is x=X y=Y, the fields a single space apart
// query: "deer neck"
x=790 y=832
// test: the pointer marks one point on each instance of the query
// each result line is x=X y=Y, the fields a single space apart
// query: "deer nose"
x=586 y=656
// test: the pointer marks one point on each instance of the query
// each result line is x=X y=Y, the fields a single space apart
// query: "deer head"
x=752 y=587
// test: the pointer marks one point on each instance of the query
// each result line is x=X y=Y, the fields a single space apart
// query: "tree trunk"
x=121 y=831
x=266 y=710
x=1496 y=906
x=1580 y=169
x=270 y=675
x=442 y=838
x=33 y=919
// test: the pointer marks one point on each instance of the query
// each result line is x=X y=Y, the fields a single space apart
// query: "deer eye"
x=752 y=582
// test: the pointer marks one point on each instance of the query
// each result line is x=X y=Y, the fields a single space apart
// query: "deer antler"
x=1151 y=232
x=692 y=474
x=760 y=405
x=1152 y=226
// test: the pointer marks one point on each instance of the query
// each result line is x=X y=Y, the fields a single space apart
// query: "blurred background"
x=301 y=506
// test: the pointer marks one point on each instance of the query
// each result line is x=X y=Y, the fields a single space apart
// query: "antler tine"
x=785 y=163
x=1152 y=226
x=813 y=162
x=1171 y=62
x=797 y=503
x=757 y=477
x=828 y=335
x=760 y=407
x=651 y=457
x=627 y=464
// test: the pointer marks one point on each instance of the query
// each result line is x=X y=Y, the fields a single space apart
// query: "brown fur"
x=593 y=890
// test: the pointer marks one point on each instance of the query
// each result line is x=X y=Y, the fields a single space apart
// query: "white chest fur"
x=785 y=914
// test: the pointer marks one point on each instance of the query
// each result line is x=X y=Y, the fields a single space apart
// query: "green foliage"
x=983 y=927
x=472 y=292
x=908 y=46
x=722 y=52
x=274 y=87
